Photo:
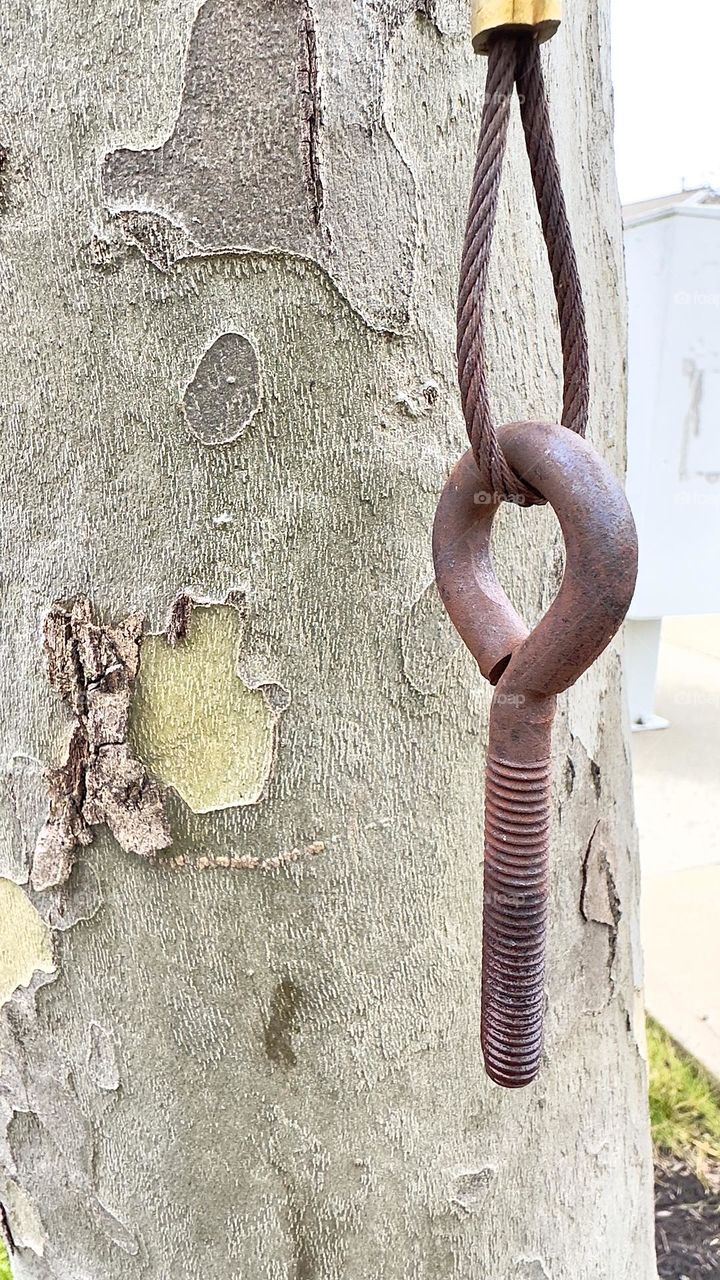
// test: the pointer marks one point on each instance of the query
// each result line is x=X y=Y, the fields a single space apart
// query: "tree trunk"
x=230 y=239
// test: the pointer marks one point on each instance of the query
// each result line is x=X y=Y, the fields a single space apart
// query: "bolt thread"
x=517 y=843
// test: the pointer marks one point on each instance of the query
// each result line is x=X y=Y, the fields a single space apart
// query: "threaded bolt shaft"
x=517 y=844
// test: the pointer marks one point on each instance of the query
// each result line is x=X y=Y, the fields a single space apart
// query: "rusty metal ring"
x=529 y=670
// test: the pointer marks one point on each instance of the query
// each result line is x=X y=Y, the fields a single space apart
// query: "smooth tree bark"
x=242 y=751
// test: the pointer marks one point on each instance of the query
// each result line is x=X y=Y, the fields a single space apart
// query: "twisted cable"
x=516 y=60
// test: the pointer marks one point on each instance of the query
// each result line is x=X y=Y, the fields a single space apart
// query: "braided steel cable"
x=516 y=60
x=558 y=237
x=475 y=264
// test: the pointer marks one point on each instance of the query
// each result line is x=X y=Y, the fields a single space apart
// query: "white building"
x=672 y=248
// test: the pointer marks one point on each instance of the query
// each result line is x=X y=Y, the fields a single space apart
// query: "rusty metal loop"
x=516 y=60
x=529 y=670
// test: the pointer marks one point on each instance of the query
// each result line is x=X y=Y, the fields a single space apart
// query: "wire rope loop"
x=515 y=61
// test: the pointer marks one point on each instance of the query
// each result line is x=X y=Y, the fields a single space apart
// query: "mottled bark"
x=229 y=239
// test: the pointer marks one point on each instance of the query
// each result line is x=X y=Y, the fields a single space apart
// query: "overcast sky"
x=667 y=95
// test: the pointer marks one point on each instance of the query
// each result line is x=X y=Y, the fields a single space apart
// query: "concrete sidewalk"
x=677 y=793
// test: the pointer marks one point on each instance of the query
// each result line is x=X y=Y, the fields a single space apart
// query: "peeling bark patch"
x=195 y=724
x=417 y=402
x=47 y=1146
x=230 y=175
x=600 y=901
x=470 y=1190
x=232 y=178
x=531 y=1269
x=64 y=906
x=179 y=620
x=20 y=1220
x=155 y=236
x=25 y=941
x=600 y=898
x=282 y=1024
x=93 y=669
x=100 y=253
x=23 y=807
x=223 y=396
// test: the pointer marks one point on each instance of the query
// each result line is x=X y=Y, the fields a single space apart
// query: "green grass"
x=5 y=1273
x=684 y=1104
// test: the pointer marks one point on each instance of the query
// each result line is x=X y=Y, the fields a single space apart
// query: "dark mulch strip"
x=687 y=1230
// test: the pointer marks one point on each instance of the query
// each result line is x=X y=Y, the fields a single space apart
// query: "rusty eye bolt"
x=529 y=671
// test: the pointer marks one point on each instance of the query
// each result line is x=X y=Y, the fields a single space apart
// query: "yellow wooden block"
x=490 y=17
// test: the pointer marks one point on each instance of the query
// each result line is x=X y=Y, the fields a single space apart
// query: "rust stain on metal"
x=529 y=671
x=93 y=668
